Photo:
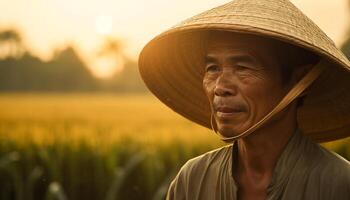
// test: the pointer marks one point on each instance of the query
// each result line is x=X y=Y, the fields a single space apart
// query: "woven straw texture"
x=171 y=67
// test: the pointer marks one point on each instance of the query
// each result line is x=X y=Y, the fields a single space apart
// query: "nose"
x=225 y=85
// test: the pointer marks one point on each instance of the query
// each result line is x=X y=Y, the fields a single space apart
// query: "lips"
x=225 y=111
x=229 y=109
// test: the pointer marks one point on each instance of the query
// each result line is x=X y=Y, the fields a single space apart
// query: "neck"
x=258 y=153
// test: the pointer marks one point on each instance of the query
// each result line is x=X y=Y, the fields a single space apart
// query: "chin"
x=228 y=130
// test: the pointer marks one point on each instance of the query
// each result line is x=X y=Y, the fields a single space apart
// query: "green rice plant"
x=8 y=165
x=121 y=174
x=55 y=192
x=9 y=158
x=163 y=187
x=33 y=178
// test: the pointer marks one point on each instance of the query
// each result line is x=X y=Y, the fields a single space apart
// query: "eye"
x=212 y=68
x=242 y=67
x=245 y=67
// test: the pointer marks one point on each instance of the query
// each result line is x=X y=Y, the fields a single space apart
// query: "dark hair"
x=290 y=57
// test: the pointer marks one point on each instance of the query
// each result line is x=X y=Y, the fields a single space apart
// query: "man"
x=263 y=76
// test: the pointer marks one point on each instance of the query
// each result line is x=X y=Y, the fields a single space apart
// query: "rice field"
x=80 y=146
x=96 y=146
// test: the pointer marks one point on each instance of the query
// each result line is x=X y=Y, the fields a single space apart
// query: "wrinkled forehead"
x=221 y=40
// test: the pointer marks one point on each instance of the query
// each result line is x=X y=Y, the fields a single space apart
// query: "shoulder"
x=334 y=163
x=208 y=159
x=333 y=171
x=324 y=161
x=195 y=170
x=203 y=164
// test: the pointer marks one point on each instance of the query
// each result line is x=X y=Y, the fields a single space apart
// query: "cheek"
x=262 y=96
x=208 y=86
x=260 y=86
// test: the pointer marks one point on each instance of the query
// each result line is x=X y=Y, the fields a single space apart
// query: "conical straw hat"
x=170 y=64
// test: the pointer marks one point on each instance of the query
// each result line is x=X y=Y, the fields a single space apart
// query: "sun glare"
x=103 y=25
x=106 y=67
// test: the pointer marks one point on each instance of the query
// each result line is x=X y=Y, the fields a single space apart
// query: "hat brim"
x=170 y=64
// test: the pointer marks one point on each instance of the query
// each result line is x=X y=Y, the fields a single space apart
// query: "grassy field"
x=80 y=146
x=83 y=144
x=100 y=120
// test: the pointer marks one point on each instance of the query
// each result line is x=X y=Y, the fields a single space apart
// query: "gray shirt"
x=305 y=170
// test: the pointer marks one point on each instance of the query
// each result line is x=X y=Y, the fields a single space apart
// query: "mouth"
x=224 y=111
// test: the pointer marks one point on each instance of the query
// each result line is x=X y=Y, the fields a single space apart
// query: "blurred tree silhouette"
x=65 y=72
x=127 y=80
x=112 y=46
x=345 y=47
x=68 y=72
x=11 y=43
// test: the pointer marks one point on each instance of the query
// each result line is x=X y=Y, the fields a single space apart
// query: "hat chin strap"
x=304 y=83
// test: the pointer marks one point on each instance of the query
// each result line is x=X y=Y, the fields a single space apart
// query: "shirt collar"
x=287 y=160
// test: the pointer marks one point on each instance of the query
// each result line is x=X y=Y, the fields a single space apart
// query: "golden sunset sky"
x=49 y=24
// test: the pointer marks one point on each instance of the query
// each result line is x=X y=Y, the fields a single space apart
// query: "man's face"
x=242 y=80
